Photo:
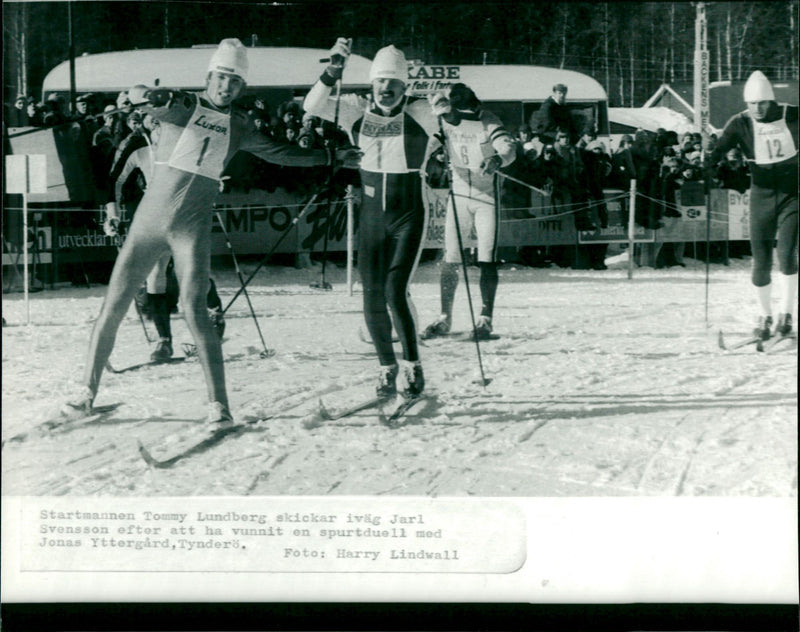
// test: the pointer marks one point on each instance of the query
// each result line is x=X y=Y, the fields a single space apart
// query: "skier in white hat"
x=396 y=136
x=198 y=136
x=767 y=135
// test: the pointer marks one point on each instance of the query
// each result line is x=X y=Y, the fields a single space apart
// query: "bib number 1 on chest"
x=203 y=150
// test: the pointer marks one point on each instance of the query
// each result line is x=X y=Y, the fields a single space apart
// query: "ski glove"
x=111 y=226
x=439 y=104
x=490 y=165
x=338 y=56
x=138 y=95
x=159 y=97
x=349 y=157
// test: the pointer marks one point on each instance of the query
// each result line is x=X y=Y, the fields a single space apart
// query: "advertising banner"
x=738 y=214
x=257 y=220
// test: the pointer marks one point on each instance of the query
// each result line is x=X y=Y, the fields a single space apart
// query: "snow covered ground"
x=600 y=386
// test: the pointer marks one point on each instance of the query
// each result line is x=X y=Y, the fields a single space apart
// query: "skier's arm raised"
x=319 y=101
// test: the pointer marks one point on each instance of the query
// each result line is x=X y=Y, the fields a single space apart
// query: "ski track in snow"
x=600 y=386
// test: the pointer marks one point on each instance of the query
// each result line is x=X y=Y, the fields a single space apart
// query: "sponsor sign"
x=424 y=80
x=738 y=214
x=40 y=242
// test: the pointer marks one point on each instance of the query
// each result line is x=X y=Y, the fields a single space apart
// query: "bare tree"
x=672 y=42
x=606 y=36
x=631 y=51
x=744 y=26
x=166 y=25
x=728 y=46
x=793 y=38
x=15 y=44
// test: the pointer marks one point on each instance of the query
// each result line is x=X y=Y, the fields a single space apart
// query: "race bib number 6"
x=203 y=145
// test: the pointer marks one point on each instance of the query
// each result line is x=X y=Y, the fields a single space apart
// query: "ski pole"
x=484 y=381
x=266 y=353
x=266 y=257
x=707 y=191
x=65 y=124
x=530 y=186
x=323 y=284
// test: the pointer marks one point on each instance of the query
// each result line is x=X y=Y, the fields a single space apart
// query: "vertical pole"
x=631 y=227
x=701 y=70
x=350 y=210
x=71 y=60
x=25 y=255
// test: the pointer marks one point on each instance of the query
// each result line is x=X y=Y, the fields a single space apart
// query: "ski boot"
x=439 y=327
x=784 y=325
x=415 y=380
x=763 y=329
x=387 y=386
x=78 y=406
x=219 y=416
x=483 y=328
x=217 y=321
x=163 y=351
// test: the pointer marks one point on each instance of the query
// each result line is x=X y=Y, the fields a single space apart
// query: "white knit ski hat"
x=230 y=57
x=758 y=88
x=389 y=63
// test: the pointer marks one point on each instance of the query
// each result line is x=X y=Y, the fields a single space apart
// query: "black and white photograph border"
x=602 y=449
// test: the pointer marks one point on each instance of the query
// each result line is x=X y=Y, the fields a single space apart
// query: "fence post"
x=631 y=228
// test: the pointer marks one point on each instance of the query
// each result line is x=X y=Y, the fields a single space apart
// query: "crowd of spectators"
x=556 y=152
x=555 y=155
x=113 y=130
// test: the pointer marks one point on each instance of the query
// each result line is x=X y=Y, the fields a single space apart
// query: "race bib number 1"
x=203 y=145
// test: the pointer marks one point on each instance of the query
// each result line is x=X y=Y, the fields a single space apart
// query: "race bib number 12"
x=773 y=142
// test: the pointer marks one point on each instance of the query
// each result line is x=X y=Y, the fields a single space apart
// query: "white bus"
x=514 y=93
x=256 y=218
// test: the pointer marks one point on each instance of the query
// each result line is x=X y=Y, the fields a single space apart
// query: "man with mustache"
x=395 y=135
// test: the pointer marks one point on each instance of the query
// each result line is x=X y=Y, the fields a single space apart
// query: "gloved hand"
x=111 y=226
x=490 y=165
x=339 y=54
x=111 y=223
x=440 y=105
x=138 y=95
x=349 y=157
x=159 y=97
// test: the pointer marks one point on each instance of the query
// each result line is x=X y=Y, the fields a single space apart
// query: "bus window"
x=585 y=116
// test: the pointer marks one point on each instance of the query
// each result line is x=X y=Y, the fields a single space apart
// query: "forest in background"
x=631 y=48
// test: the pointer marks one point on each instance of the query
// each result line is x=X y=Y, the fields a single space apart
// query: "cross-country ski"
x=562 y=383
x=197 y=444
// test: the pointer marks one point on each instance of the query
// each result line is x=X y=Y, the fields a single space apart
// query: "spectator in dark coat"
x=574 y=192
x=597 y=167
x=17 y=115
x=53 y=111
x=102 y=154
x=622 y=167
x=553 y=115
x=34 y=112
x=646 y=172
